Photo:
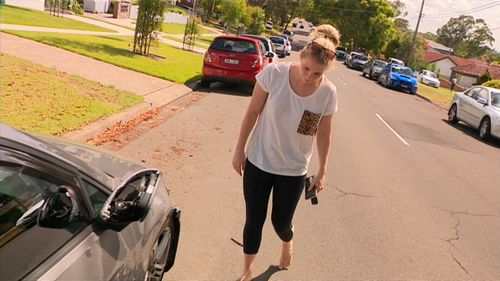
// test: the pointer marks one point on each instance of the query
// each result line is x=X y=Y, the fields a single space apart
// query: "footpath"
x=156 y=92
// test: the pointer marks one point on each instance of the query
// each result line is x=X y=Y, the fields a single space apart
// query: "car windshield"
x=431 y=74
x=234 y=45
x=402 y=70
x=278 y=40
x=363 y=58
x=495 y=99
x=379 y=64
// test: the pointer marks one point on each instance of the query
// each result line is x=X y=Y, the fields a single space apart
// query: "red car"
x=234 y=59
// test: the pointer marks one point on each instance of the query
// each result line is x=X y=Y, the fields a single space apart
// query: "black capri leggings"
x=257 y=186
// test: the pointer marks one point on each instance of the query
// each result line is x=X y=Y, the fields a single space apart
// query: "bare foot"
x=286 y=255
x=247 y=276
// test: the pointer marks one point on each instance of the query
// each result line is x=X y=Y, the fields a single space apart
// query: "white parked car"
x=479 y=107
x=396 y=61
x=269 y=24
x=429 y=78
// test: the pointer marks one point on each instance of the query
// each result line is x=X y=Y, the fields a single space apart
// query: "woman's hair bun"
x=326 y=31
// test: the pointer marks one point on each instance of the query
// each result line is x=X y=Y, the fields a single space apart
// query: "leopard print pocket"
x=309 y=123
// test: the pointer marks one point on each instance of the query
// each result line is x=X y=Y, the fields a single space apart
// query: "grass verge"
x=43 y=100
x=23 y=16
x=199 y=42
x=178 y=28
x=167 y=63
x=441 y=96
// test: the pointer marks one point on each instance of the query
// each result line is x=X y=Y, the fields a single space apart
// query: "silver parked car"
x=479 y=107
x=70 y=212
x=268 y=45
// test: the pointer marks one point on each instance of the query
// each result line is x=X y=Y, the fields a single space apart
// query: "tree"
x=233 y=12
x=484 y=78
x=284 y=11
x=149 y=20
x=254 y=20
x=400 y=47
x=402 y=24
x=362 y=23
x=467 y=36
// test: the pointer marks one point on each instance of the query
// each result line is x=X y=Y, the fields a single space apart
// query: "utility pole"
x=412 y=50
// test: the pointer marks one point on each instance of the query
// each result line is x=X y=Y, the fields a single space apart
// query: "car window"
x=379 y=64
x=402 y=70
x=97 y=197
x=22 y=193
x=482 y=93
x=278 y=40
x=473 y=93
x=234 y=45
x=431 y=74
x=495 y=99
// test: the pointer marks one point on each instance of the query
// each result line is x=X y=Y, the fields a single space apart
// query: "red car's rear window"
x=234 y=45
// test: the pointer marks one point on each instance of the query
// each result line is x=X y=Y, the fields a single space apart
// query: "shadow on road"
x=471 y=132
x=232 y=89
x=266 y=275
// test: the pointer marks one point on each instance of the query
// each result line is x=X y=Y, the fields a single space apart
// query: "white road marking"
x=392 y=130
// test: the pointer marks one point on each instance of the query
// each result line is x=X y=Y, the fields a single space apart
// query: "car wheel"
x=485 y=128
x=363 y=73
x=159 y=256
x=452 y=114
x=205 y=83
x=370 y=75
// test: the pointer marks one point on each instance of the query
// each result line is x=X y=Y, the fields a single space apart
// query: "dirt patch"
x=121 y=134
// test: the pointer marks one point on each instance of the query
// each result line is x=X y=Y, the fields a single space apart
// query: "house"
x=435 y=47
x=465 y=70
x=30 y=4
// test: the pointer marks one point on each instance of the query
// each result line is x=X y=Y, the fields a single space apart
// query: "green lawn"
x=22 y=16
x=440 y=96
x=43 y=100
x=201 y=42
x=177 y=65
x=178 y=28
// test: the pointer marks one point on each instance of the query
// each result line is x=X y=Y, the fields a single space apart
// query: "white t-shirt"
x=282 y=142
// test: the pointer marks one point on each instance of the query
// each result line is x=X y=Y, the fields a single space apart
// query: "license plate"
x=230 y=61
x=404 y=86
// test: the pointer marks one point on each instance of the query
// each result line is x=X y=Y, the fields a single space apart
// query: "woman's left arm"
x=324 y=141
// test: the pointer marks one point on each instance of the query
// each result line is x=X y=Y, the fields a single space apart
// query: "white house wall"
x=31 y=4
x=465 y=80
x=444 y=67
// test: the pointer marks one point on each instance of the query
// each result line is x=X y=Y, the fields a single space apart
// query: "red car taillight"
x=208 y=58
x=257 y=63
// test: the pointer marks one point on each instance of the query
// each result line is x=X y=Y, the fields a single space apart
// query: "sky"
x=436 y=13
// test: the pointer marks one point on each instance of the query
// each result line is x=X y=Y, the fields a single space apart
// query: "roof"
x=477 y=70
x=438 y=46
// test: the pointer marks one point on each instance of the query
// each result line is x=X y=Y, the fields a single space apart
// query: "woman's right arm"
x=257 y=102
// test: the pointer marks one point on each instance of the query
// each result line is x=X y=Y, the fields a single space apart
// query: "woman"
x=291 y=103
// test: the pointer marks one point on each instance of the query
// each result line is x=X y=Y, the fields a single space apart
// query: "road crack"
x=456 y=227
x=344 y=193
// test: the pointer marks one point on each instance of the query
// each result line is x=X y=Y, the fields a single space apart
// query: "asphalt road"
x=416 y=201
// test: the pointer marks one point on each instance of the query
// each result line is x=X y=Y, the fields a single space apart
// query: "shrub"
x=493 y=84
x=76 y=8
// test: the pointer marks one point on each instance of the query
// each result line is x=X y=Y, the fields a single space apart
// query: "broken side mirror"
x=132 y=200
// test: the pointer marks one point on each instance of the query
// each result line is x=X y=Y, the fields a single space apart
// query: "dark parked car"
x=236 y=59
x=357 y=61
x=70 y=212
x=373 y=68
x=341 y=53
x=399 y=77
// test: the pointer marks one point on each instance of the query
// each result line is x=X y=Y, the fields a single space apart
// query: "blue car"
x=399 y=77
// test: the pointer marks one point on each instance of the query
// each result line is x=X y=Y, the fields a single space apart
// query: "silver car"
x=479 y=107
x=70 y=212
